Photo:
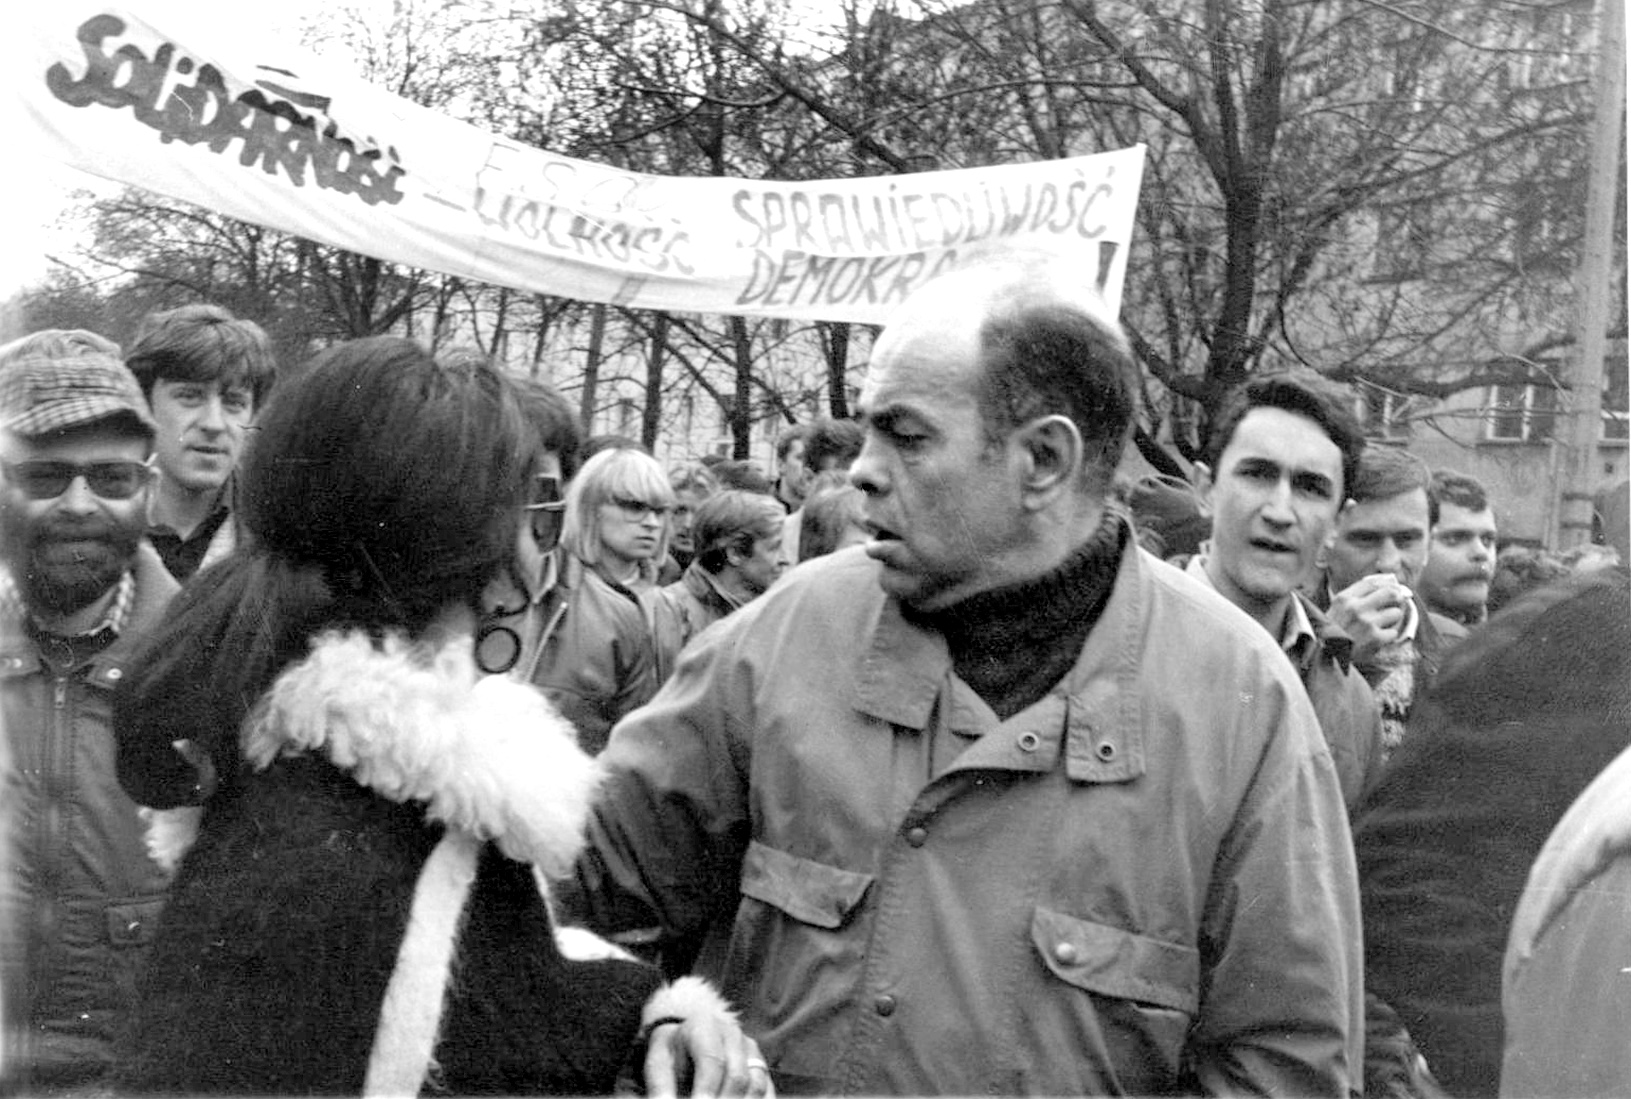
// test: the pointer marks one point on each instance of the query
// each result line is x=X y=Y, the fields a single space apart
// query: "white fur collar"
x=489 y=755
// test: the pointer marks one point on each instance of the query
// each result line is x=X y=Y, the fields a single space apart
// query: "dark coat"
x=87 y=894
x=393 y=797
x=1522 y=716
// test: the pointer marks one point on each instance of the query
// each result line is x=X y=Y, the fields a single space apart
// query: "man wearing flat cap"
x=78 y=588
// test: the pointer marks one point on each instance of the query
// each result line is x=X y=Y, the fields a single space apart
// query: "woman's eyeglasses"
x=635 y=511
x=45 y=480
x=548 y=511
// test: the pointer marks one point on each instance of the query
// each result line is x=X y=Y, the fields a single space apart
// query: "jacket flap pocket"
x=133 y=923
x=1113 y=962
x=809 y=891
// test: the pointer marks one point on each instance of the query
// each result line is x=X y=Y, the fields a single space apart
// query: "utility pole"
x=1579 y=474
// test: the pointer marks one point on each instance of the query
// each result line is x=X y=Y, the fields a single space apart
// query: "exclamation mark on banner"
x=1107 y=257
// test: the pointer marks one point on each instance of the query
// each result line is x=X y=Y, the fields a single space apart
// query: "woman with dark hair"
x=359 y=905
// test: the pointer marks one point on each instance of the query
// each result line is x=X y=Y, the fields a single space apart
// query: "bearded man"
x=78 y=589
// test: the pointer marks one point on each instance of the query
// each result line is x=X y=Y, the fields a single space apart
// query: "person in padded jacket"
x=359 y=905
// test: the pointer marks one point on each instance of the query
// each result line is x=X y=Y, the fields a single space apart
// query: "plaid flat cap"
x=40 y=395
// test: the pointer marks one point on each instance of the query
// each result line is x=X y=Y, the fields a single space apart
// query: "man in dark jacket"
x=204 y=373
x=1279 y=461
x=738 y=539
x=1377 y=556
x=79 y=590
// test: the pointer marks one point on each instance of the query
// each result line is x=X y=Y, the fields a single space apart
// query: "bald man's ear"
x=1054 y=454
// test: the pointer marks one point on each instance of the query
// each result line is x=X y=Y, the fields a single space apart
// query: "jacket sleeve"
x=1282 y=989
x=665 y=841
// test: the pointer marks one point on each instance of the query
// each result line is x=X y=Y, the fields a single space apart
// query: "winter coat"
x=597 y=660
x=1141 y=883
x=87 y=895
x=365 y=911
x=1516 y=725
x=1566 y=990
x=684 y=609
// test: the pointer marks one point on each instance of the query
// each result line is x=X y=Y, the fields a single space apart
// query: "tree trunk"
x=651 y=414
x=835 y=349
x=741 y=401
x=591 y=368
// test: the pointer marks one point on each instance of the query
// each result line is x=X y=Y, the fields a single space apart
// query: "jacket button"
x=115 y=673
x=1064 y=954
x=1107 y=751
x=917 y=836
x=1029 y=742
x=884 y=1005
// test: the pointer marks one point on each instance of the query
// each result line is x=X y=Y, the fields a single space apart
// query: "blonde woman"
x=617 y=517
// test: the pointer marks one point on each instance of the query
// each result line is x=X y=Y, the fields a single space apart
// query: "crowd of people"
x=372 y=730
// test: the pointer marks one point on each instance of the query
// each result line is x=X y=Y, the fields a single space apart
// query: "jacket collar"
x=903 y=671
x=155 y=587
x=487 y=755
x=701 y=583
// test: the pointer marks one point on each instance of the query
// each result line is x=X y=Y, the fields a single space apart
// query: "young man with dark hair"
x=830 y=446
x=1278 y=463
x=204 y=372
x=1372 y=565
x=1000 y=805
x=1461 y=557
x=738 y=538
x=792 y=479
x=78 y=593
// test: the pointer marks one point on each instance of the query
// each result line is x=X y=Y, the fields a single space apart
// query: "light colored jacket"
x=1141 y=883
x=1566 y=982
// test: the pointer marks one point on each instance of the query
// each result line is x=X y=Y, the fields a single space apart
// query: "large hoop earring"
x=498 y=649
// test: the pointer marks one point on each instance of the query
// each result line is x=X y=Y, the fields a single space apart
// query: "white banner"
x=268 y=133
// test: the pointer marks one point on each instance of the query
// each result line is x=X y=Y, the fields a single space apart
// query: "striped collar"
x=13 y=608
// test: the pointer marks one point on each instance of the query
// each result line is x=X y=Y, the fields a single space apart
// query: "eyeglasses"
x=548 y=511
x=46 y=480
x=635 y=511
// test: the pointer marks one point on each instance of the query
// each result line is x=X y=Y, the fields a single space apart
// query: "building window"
x=1520 y=413
x=1616 y=399
x=1384 y=413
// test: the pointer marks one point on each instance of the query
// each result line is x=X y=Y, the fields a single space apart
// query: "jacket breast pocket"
x=1117 y=964
x=809 y=891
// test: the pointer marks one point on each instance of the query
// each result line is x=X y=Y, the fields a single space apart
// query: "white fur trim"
x=579 y=944
x=489 y=755
x=685 y=998
x=170 y=833
x=411 y=1013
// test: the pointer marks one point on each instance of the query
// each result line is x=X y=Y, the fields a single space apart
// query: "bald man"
x=995 y=802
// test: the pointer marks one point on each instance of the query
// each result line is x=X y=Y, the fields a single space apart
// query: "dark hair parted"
x=1450 y=487
x=202 y=343
x=381 y=488
x=831 y=508
x=1044 y=356
x=554 y=423
x=732 y=519
x=1312 y=398
x=789 y=435
x=832 y=444
x=1388 y=471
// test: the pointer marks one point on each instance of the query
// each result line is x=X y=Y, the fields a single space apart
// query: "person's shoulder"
x=1212 y=619
x=1448 y=628
x=837 y=590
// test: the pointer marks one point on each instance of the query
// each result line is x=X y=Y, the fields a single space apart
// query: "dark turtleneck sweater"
x=1012 y=644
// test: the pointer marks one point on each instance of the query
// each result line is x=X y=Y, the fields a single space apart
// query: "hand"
x=1374 y=611
x=712 y=1053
